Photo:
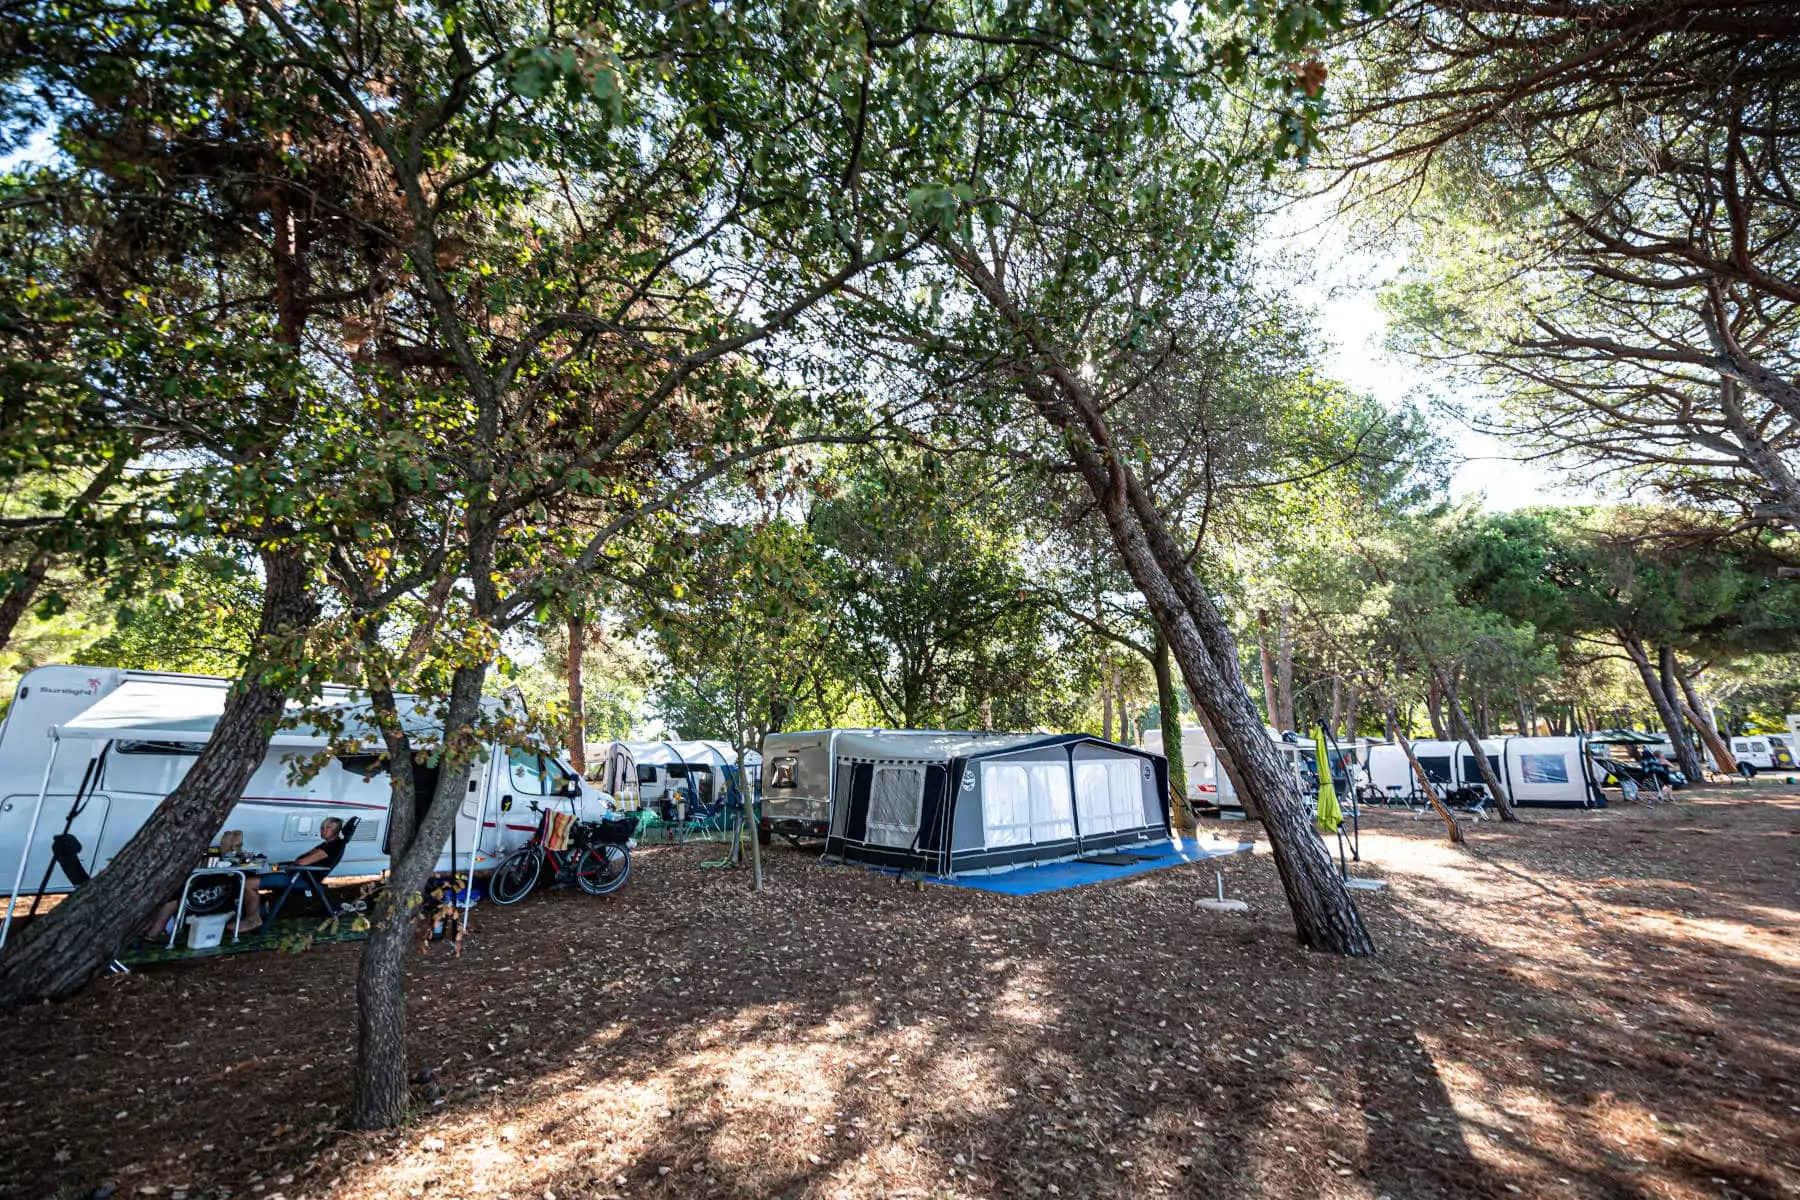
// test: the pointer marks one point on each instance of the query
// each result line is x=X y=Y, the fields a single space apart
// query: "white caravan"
x=93 y=751
x=1546 y=772
x=799 y=773
x=661 y=775
x=1208 y=784
x=1208 y=772
x=797 y=777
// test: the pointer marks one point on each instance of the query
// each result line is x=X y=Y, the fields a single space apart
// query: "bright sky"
x=1342 y=281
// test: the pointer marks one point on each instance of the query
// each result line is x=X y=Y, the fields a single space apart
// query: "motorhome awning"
x=188 y=712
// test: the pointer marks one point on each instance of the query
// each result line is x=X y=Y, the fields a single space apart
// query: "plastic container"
x=206 y=932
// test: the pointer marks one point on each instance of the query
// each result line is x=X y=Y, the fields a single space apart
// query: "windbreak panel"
x=1109 y=795
x=1025 y=803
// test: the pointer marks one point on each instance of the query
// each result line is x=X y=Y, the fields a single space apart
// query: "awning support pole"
x=30 y=832
x=475 y=847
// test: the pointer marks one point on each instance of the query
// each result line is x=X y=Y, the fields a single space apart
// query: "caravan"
x=93 y=751
x=1543 y=772
x=1209 y=783
x=675 y=777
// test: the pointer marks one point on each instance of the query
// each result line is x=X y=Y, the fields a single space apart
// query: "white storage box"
x=207 y=932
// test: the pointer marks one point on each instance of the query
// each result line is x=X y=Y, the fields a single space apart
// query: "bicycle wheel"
x=602 y=869
x=515 y=875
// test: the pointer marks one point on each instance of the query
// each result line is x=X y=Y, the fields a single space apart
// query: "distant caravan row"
x=1541 y=772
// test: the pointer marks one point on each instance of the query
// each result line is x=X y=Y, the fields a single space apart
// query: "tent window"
x=1109 y=795
x=1543 y=768
x=1026 y=803
x=895 y=797
x=1436 y=769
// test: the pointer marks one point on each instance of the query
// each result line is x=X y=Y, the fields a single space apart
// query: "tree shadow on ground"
x=841 y=1035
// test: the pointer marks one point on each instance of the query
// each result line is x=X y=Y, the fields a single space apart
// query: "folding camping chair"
x=311 y=878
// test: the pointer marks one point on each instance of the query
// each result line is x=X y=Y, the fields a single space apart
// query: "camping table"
x=243 y=871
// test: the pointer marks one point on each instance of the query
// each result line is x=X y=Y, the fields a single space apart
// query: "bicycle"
x=594 y=861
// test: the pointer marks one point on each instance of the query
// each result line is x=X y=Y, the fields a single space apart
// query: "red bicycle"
x=596 y=860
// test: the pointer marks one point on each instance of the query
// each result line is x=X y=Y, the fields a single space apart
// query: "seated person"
x=251 y=921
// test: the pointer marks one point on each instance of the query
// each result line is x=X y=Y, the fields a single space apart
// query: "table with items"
x=243 y=867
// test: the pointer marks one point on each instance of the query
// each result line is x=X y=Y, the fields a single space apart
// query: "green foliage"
x=202 y=622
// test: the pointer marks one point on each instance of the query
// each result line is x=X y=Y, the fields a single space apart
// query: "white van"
x=93 y=751
x=1762 y=752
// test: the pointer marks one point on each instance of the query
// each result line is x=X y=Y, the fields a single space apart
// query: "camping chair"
x=311 y=878
x=65 y=850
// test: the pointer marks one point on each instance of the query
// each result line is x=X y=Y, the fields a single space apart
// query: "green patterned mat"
x=289 y=933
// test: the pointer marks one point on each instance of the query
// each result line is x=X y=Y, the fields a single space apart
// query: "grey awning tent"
x=957 y=804
x=1623 y=737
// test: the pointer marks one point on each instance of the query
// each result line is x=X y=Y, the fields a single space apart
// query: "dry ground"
x=1589 y=1004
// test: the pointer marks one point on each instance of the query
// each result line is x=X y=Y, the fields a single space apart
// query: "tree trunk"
x=57 y=953
x=1451 y=826
x=1671 y=720
x=1434 y=706
x=1284 y=668
x=1106 y=701
x=1701 y=716
x=1352 y=699
x=749 y=802
x=1460 y=723
x=381 y=1096
x=577 y=702
x=419 y=644
x=1527 y=727
x=1271 y=699
x=24 y=589
x=1128 y=732
x=1325 y=917
x=1336 y=721
x=1180 y=813
x=1686 y=753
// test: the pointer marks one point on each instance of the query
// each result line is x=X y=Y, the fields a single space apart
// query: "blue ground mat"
x=1054 y=877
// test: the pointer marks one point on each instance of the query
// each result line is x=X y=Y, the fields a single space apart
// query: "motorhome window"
x=190 y=749
x=561 y=779
x=646 y=774
x=1759 y=747
x=154 y=768
x=528 y=776
x=783 y=773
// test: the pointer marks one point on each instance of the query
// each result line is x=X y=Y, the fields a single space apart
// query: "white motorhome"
x=93 y=751
x=1208 y=784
